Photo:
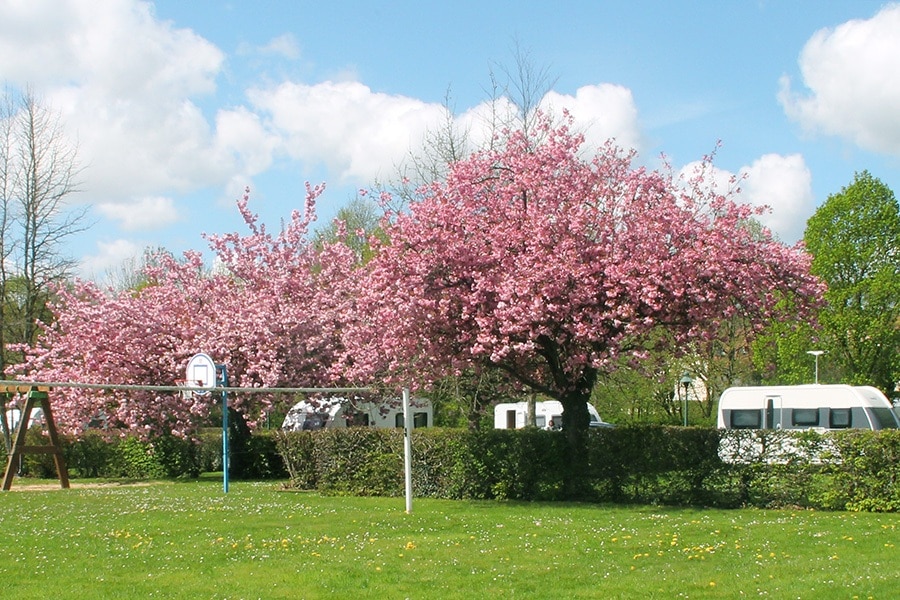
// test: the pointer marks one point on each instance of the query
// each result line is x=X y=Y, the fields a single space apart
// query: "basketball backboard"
x=201 y=372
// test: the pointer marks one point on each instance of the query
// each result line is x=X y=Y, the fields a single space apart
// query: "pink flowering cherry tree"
x=270 y=311
x=547 y=262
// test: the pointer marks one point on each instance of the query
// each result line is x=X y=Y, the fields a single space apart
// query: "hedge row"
x=853 y=470
x=96 y=454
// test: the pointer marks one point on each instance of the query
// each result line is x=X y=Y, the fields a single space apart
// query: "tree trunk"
x=576 y=423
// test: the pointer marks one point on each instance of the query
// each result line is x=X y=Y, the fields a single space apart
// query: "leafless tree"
x=48 y=168
x=513 y=97
x=38 y=174
x=6 y=192
x=525 y=86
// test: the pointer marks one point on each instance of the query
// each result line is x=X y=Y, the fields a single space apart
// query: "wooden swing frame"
x=34 y=395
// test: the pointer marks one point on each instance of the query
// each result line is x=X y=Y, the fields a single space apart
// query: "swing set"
x=35 y=396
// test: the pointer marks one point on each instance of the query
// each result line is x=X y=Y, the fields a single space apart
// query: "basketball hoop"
x=201 y=372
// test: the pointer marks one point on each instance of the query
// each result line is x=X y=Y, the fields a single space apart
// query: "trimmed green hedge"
x=98 y=454
x=853 y=470
x=849 y=470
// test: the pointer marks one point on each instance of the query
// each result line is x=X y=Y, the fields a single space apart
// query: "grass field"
x=189 y=540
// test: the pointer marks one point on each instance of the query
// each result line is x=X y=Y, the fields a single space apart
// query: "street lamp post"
x=686 y=382
x=817 y=354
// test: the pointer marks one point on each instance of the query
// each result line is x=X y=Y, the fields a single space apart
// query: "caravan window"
x=883 y=418
x=357 y=419
x=314 y=421
x=805 y=417
x=420 y=419
x=839 y=418
x=745 y=419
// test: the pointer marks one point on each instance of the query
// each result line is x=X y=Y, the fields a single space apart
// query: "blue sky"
x=176 y=106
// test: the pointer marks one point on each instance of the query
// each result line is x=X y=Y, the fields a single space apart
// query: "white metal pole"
x=407 y=449
x=225 y=447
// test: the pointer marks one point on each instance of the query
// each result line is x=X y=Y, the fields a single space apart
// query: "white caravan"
x=334 y=413
x=547 y=415
x=13 y=416
x=821 y=407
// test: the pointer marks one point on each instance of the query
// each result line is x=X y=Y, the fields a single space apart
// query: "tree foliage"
x=547 y=266
x=854 y=238
x=271 y=312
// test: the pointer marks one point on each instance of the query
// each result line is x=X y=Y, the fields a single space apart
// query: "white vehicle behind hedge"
x=336 y=413
x=547 y=415
x=817 y=406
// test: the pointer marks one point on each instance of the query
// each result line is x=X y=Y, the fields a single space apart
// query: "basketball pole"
x=224 y=371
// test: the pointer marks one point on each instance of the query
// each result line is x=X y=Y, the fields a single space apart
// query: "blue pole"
x=224 y=429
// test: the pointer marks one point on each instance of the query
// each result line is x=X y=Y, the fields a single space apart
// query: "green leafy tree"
x=781 y=356
x=854 y=238
x=354 y=224
x=463 y=399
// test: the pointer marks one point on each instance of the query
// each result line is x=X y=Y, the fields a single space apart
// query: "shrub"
x=90 y=455
x=298 y=451
x=867 y=475
x=263 y=460
x=360 y=461
x=135 y=459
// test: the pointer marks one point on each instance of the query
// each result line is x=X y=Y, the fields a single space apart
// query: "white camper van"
x=547 y=415
x=332 y=413
x=13 y=416
x=816 y=406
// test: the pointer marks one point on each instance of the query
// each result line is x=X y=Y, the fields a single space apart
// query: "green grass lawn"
x=189 y=540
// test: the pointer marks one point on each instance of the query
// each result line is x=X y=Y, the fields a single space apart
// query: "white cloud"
x=131 y=88
x=243 y=141
x=365 y=135
x=602 y=112
x=780 y=184
x=110 y=257
x=115 y=46
x=127 y=86
x=478 y=122
x=360 y=134
x=284 y=45
x=151 y=212
x=783 y=183
x=850 y=73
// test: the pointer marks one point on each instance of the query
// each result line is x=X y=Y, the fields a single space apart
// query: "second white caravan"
x=340 y=413
x=818 y=406
x=547 y=415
